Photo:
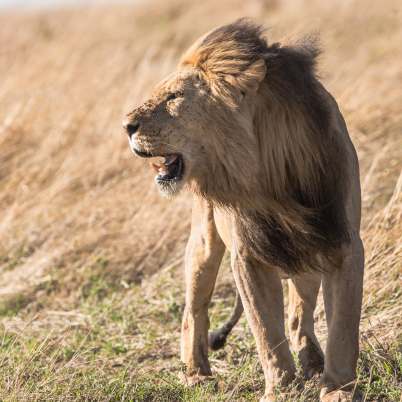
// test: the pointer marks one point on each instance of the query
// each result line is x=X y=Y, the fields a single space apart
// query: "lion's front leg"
x=203 y=256
x=343 y=288
x=260 y=289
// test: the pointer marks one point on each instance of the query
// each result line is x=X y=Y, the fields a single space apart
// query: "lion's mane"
x=283 y=174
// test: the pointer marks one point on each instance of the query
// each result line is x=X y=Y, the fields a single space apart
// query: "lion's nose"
x=131 y=127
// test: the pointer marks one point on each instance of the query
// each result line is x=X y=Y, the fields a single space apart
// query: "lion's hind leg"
x=303 y=291
x=343 y=289
x=261 y=293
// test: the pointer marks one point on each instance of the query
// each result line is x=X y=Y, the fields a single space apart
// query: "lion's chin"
x=169 y=188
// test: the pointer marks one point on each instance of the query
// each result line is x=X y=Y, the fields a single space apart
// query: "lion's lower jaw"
x=169 y=189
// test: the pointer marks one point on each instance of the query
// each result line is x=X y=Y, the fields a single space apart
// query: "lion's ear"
x=249 y=80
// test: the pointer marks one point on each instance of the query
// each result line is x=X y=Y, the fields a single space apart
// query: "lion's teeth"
x=161 y=163
x=164 y=160
x=157 y=166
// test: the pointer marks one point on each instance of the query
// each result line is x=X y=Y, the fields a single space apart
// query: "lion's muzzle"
x=169 y=167
x=132 y=128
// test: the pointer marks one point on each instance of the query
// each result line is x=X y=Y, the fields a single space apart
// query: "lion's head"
x=199 y=119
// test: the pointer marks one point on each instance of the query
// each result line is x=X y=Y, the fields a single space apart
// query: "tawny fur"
x=275 y=180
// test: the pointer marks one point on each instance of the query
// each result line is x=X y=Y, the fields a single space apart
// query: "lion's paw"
x=338 y=396
x=268 y=398
x=194 y=379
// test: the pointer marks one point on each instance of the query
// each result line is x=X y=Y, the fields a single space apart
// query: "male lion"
x=250 y=131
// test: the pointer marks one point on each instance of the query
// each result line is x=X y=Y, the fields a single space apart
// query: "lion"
x=248 y=129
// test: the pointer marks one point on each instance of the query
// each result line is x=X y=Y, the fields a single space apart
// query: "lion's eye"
x=173 y=96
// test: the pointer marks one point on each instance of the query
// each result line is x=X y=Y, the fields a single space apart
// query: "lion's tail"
x=217 y=338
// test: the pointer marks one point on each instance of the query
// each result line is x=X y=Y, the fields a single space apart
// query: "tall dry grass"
x=70 y=190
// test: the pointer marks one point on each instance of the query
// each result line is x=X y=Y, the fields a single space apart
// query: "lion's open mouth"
x=169 y=167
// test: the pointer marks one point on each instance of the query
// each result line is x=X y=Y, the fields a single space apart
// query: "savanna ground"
x=91 y=288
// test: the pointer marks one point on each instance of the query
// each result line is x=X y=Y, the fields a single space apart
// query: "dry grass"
x=90 y=255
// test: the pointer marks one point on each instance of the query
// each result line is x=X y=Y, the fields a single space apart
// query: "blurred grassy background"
x=90 y=255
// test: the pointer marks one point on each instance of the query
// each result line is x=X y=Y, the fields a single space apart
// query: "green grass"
x=121 y=344
x=10 y=260
x=11 y=305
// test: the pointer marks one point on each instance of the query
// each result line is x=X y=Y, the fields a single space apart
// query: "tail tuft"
x=217 y=339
